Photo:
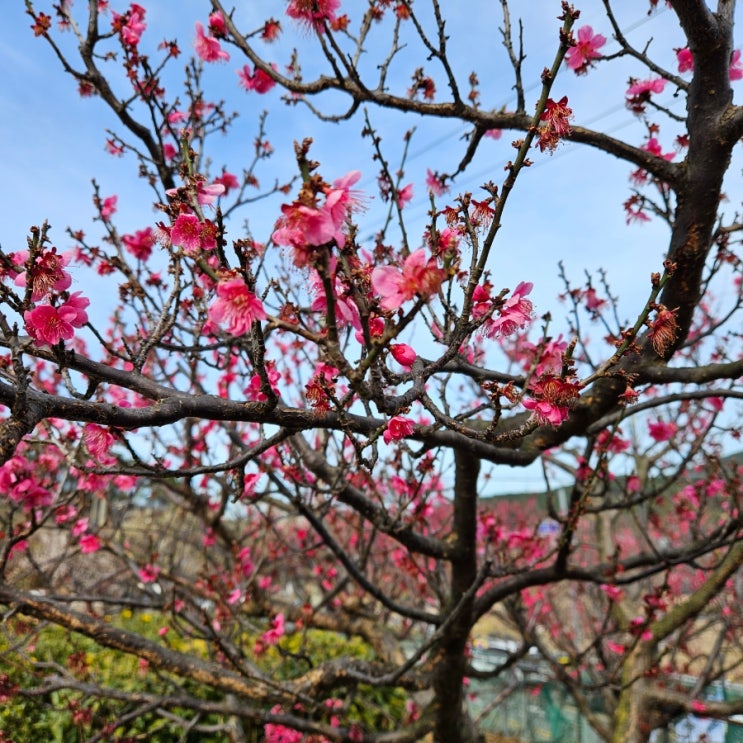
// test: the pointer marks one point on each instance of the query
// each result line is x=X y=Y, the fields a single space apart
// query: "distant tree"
x=279 y=434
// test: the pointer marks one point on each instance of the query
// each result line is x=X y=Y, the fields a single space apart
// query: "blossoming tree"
x=279 y=434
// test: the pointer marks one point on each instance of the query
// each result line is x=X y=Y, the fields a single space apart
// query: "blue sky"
x=566 y=207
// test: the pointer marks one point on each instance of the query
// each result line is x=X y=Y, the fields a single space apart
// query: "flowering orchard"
x=283 y=436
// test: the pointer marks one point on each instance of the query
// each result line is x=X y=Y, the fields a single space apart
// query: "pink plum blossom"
x=207 y=47
x=258 y=81
x=662 y=431
x=47 y=324
x=546 y=412
x=736 y=68
x=403 y=354
x=140 y=244
x=149 y=573
x=435 y=183
x=217 y=25
x=515 y=313
x=653 y=147
x=130 y=25
x=228 y=180
x=98 y=439
x=89 y=543
x=580 y=56
x=186 y=233
x=47 y=272
x=404 y=195
x=419 y=276
x=236 y=307
x=685 y=60
x=108 y=207
x=313 y=15
x=398 y=428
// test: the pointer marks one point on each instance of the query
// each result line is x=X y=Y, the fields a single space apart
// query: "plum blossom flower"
x=207 y=47
x=98 y=439
x=275 y=632
x=403 y=354
x=322 y=386
x=313 y=13
x=216 y=24
x=398 y=428
x=684 y=59
x=515 y=313
x=191 y=234
x=140 y=244
x=259 y=81
x=303 y=227
x=653 y=147
x=228 y=180
x=435 y=183
x=556 y=116
x=47 y=272
x=663 y=329
x=149 y=573
x=208 y=193
x=342 y=199
x=271 y=30
x=550 y=398
x=30 y=494
x=253 y=390
x=47 y=324
x=108 y=207
x=640 y=92
x=89 y=543
x=130 y=25
x=662 y=431
x=736 y=68
x=580 y=57
x=645 y=87
x=236 y=307
x=280 y=733
x=419 y=276
x=346 y=312
x=404 y=195
x=546 y=412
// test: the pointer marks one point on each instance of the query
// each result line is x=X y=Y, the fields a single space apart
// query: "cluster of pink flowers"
x=304 y=228
x=580 y=56
x=236 y=307
x=193 y=235
x=253 y=390
x=207 y=46
x=661 y=431
x=130 y=26
x=56 y=314
x=420 y=276
x=515 y=313
x=19 y=482
x=550 y=397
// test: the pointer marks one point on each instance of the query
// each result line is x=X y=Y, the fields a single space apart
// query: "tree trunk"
x=452 y=722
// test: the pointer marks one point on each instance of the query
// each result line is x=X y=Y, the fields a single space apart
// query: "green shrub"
x=67 y=716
